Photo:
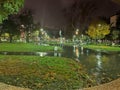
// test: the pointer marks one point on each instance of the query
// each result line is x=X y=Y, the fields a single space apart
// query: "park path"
x=114 y=85
x=10 y=87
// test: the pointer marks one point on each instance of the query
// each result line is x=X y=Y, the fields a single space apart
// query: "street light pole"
x=61 y=42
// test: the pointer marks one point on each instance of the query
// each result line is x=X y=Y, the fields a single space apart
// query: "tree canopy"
x=116 y=1
x=8 y=7
x=17 y=23
x=80 y=13
x=10 y=26
x=98 y=30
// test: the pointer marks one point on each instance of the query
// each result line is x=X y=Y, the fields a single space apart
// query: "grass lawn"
x=25 y=47
x=102 y=47
x=43 y=73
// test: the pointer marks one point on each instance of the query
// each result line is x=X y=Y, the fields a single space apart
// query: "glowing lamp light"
x=99 y=25
x=41 y=29
x=77 y=30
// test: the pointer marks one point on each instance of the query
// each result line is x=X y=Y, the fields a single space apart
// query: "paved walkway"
x=9 y=87
x=114 y=85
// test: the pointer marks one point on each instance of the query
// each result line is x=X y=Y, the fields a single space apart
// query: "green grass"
x=25 y=47
x=102 y=47
x=43 y=73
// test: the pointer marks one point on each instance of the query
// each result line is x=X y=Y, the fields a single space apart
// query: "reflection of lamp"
x=82 y=50
x=77 y=52
x=99 y=62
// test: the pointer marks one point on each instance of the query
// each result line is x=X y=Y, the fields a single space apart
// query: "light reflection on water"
x=103 y=65
x=99 y=64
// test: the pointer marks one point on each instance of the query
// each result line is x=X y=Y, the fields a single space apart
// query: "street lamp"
x=98 y=32
x=22 y=33
x=77 y=31
x=22 y=26
x=41 y=29
x=61 y=39
x=99 y=25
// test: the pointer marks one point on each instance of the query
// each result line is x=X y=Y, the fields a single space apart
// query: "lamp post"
x=99 y=25
x=61 y=41
x=22 y=36
x=41 y=29
x=98 y=32
x=77 y=31
x=76 y=34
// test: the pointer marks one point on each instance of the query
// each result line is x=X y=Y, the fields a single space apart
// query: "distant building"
x=113 y=20
x=115 y=24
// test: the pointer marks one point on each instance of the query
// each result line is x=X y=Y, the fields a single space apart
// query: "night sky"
x=49 y=12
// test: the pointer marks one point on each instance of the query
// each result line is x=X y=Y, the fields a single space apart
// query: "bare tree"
x=80 y=13
x=116 y=1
